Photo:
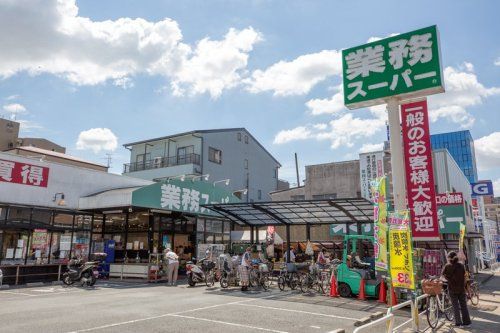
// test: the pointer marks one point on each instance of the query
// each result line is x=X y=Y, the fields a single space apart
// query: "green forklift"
x=353 y=269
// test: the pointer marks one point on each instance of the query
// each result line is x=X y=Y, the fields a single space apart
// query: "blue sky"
x=135 y=70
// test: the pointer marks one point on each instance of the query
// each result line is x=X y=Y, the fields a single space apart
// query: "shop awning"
x=302 y=212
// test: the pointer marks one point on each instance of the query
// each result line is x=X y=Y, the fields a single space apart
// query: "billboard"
x=371 y=167
x=23 y=173
x=482 y=187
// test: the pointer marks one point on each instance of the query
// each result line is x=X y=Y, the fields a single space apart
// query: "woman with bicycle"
x=245 y=266
x=454 y=272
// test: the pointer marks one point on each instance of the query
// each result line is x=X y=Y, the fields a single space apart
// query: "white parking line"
x=228 y=323
x=166 y=315
x=16 y=293
x=298 y=311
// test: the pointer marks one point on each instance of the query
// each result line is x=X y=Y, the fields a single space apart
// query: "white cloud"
x=97 y=139
x=332 y=105
x=124 y=82
x=488 y=151
x=497 y=62
x=463 y=90
x=15 y=108
x=296 y=77
x=12 y=97
x=216 y=65
x=375 y=38
x=496 y=187
x=87 y=52
x=298 y=133
x=371 y=147
x=28 y=126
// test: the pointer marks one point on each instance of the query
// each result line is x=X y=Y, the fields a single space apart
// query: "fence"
x=21 y=274
x=388 y=319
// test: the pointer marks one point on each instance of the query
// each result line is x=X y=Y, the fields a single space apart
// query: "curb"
x=339 y=330
x=362 y=321
x=35 y=284
x=56 y=283
x=4 y=286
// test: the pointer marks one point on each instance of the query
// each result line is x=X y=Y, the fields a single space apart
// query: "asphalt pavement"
x=114 y=306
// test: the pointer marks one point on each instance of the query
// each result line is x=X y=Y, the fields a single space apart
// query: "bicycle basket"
x=263 y=268
x=432 y=287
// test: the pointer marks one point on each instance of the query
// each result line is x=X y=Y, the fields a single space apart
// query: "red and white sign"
x=448 y=199
x=419 y=173
x=23 y=173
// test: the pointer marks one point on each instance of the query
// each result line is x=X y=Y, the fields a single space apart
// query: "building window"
x=259 y=194
x=245 y=163
x=298 y=197
x=246 y=139
x=275 y=173
x=239 y=136
x=214 y=155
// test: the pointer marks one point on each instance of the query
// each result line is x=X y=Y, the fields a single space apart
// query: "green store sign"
x=450 y=217
x=406 y=66
x=182 y=196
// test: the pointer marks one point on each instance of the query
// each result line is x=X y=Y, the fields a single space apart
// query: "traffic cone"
x=394 y=300
x=333 y=287
x=361 y=294
x=382 y=294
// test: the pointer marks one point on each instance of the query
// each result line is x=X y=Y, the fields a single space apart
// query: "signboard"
x=419 y=173
x=401 y=256
x=406 y=65
x=183 y=196
x=371 y=167
x=380 y=220
x=23 y=173
x=483 y=187
x=450 y=217
x=461 y=239
x=449 y=199
x=341 y=229
x=39 y=239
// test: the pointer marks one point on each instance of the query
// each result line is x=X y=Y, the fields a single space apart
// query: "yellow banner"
x=380 y=223
x=462 y=235
x=401 y=256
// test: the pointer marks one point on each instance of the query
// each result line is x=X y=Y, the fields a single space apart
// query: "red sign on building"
x=448 y=199
x=419 y=173
x=23 y=173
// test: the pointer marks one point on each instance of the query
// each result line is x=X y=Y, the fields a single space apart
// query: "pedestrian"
x=172 y=266
x=321 y=262
x=454 y=272
x=244 y=269
x=292 y=255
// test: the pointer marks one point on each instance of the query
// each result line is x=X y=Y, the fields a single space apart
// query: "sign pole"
x=397 y=158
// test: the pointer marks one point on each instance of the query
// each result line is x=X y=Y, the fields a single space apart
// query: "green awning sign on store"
x=450 y=217
x=407 y=66
x=182 y=196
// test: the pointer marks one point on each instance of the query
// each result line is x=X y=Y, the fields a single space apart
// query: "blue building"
x=461 y=146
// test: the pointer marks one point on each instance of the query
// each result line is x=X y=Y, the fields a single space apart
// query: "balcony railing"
x=162 y=162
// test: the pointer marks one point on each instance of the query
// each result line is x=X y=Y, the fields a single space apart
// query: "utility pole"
x=108 y=159
x=297 y=170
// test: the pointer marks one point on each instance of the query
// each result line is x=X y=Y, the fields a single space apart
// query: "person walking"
x=244 y=269
x=454 y=272
x=172 y=266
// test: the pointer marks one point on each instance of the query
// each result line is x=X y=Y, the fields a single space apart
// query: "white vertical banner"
x=371 y=167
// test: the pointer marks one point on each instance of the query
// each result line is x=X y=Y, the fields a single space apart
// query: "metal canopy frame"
x=300 y=212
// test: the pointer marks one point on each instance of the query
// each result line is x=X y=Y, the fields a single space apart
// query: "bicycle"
x=472 y=292
x=437 y=303
x=259 y=276
x=288 y=277
x=314 y=279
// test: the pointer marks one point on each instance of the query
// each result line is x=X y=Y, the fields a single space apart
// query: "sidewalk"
x=486 y=315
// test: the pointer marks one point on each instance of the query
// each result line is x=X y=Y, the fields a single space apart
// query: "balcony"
x=162 y=162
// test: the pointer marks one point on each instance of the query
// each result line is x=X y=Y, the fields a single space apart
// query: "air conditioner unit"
x=157 y=162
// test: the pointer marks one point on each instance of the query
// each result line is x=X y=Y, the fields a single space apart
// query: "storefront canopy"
x=302 y=212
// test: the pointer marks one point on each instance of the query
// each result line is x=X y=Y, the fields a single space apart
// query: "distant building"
x=40 y=143
x=231 y=153
x=283 y=185
x=461 y=146
x=52 y=156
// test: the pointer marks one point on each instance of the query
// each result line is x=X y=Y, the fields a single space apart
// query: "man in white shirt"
x=172 y=266
x=292 y=255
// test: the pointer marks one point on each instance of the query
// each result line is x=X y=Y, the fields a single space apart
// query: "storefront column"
x=51 y=236
x=287 y=243
x=151 y=221
x=72 y=234
x=257 y=235
x=29 y=239
x=252 y=235
x=308 y=232
x=103 y=226
x=126 y=236
x=91 y=235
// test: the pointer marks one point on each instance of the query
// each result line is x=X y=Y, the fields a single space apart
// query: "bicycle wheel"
x=474 y=295
x=281 y=283
x=432 y=311
x=294 y=281
x=448 y=308
x=265 y=282
x=253 y=278
x=306 y=283
x=322 y=284
x=210 y=279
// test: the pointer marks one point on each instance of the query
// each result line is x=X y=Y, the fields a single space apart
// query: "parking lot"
x=132 y=307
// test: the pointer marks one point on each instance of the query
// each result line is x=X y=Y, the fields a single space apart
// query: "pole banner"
x=379 y=196
x=401 y=254
x=419 y=173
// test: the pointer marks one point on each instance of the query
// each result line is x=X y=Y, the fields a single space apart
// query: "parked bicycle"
x=316 y=279
x=259 y=275
x=288 y=277
x=439 y=301
x=472 y=292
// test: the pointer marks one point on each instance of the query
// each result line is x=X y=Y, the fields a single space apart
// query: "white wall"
x=73 y=181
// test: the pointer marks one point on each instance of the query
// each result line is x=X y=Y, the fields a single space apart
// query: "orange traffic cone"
x=382 y=294
x=333 y=287
x=394 y=300
x=361 y=294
